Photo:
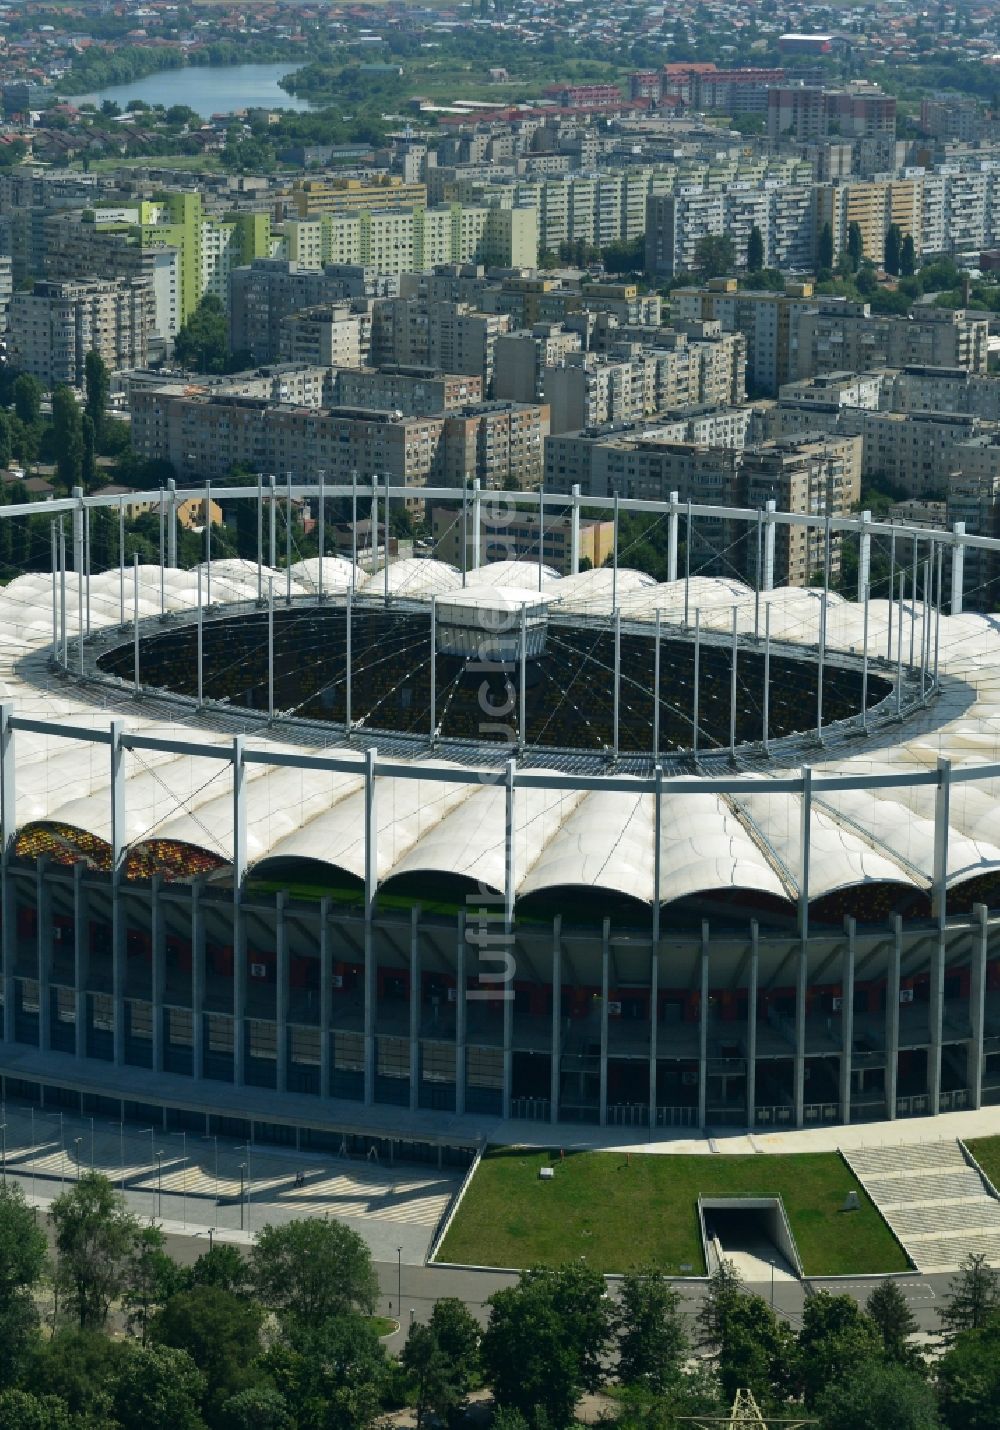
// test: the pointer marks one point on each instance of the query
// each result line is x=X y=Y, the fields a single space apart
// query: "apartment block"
x=204 y=434
x=807 y=112
x=841 y=336
x=767 y=320
x=589 y=389
x=264 y=293
x=814 y=477
x=413 y=391
x=56 y=325
x=331 y=335
x=520 y=359
x=453 y=337
x=509 y=534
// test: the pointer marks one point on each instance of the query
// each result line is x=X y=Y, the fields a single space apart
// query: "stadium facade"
x=312 y=852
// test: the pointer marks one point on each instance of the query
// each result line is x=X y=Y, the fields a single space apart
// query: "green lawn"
x=986 y=1151
x=622 y=1211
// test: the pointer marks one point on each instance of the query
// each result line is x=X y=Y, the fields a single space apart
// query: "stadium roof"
x=565 y=837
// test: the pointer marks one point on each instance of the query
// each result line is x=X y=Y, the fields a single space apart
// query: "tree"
x=28 y=398
x=893 y=246
x=158 y=1388
x=151 y=1278
x=18 y=1334
x=973 y=1297
x=458 y=1337
x=545 y=1341
x=314 y=1269
x=223 y=1266
x=258 y=1409
x=652 y=1341
x=94 y=1236
x=97 y=382
x=202 y=344
x=428 y=1369
x=67 y=436
x=836 y=1336
x=755 y=250
x=79 y=1367
x=824 y=247
x=331 y=1373
x=23 y=1245
x=88 y=465
x=714 y=255
x=968 y=1376
x=20 y=1410
x=887 y=1308
x=752 y=1348
x=875 y=1396
x=907 y=256
x=855 y=246
x=219 y=1331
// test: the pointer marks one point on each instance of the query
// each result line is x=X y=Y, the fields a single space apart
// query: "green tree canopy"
x=545 y=1342
x=887 y=1308
x=21 y=1410
x=23 y=1246
x=652 y=1340
x=313 y=1269
x=202 y=344
x=755 y=250
x=973 y=1297
x=855 y=246
x=714 y=256
x=219 y=1331
x=97 y=382
x=94 y=1236
x=877 y=1396
x=893 y=249
x=836 y=1336
x=67 y=436
x=28 y=398
x=158 y=1388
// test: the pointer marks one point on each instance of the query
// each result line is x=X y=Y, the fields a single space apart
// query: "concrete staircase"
x=936 y=1204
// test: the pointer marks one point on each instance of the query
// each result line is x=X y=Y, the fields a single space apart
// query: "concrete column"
x=43 y=934
x=117 y=793
x=942 y=812
x=239 y=924
x=118 y=966
x=752 y=992
x=414 y=1008
x=799 y=1064
x=703 y=1031
x=977 y=1005
x=673 y=521
x=847 y=1020
x=81 y=958
x=371 y=889
x=605 y=971
x=864 y=555
x=477 y=525
x=574 y=531
x=197 y=982
x=555 y=1081
x=158 y=972
x=325 y=994
x=461 y=1010
x=281 y=990
x=957 y=569
x=654 y=996
x=892 y=1017
x=8 y=831
x=767 y=575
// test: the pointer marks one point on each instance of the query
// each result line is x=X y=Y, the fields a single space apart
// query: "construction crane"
x=745 y=1415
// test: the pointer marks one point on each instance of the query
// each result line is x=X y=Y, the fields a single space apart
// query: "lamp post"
x=77 y=1141
x=243 y=1167
x=399 y=1282
x=3 y=1134
x=152 y=1158
x=159 y=1186
x=214 y=1139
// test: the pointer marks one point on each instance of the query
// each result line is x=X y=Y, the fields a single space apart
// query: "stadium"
x=321 y=852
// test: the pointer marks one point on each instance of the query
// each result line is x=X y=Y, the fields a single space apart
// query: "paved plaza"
x=195 y=1183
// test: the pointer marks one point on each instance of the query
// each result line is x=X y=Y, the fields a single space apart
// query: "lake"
x=207 y=89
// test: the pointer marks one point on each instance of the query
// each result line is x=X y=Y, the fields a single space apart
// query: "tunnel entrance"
x=752 y=1233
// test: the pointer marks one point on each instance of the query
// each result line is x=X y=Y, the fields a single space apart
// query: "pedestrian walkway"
x=209 y=1182
x=936 y=1203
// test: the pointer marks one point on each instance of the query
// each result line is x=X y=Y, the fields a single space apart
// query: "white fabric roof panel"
x=561 y=838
